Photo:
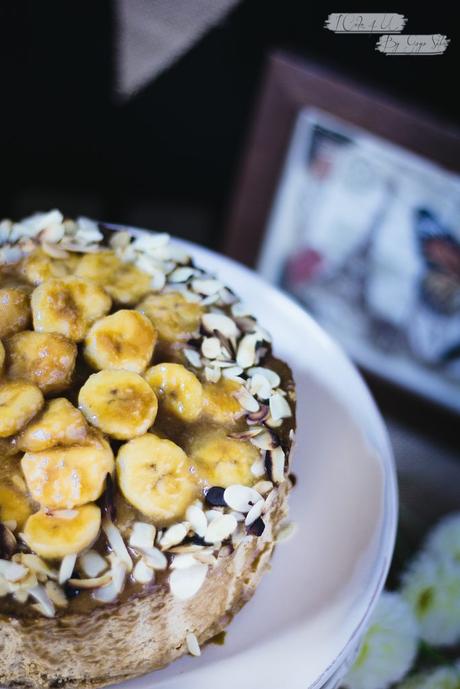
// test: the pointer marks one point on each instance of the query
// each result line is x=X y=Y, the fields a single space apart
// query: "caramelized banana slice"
x=14 y=310
x=19 y=402
x=178 y=389
x=120 y=403
x=156 y=477
x=175 y=318
x=38 y=267
x=219 y=401
x=14 y=505
x=68 y=306
x=223 y=461
x=124 y=340
x=65 y=477
x=53 y=536
x=45 y=359
x=60 y=423
x=124 y=282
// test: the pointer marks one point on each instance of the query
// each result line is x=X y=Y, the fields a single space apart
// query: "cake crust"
x=120 y=642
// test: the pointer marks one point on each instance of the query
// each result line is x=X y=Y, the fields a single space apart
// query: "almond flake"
x=45 y=605
x=67 y=567
x=183 y=561
x=193 y=357
x=106 y=594
x=197 y=518
x=254 y=513
x=142 y=536
x=266 y=440
x=212 y=374
x=246 y=400
x=246 y=355
x=206 y=287
x=12 y=571
x=56 y=594
x=272 y=377
x=92 y=563
x=233 y=372
x=173 y=536
x=181 y=274
x=155 y=559
x=142 y=573
x=118 y=573
x=279 y=407
x=185 y=583
x=192 y=645
x=210 y=347
x=260 y=386
x=117 y=543
x=263 y=487
x=220 y=322
x=220 y=528
x=92 y=582
x=241 y=498
x=37 y=565
x=276 y=460
x=258 y=468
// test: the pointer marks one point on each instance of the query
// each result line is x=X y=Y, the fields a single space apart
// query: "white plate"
x=307 y=616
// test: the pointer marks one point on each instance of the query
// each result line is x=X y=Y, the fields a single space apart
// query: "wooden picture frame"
x=289 y=85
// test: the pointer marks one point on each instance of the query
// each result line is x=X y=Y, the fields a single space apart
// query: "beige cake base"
x=115 y=643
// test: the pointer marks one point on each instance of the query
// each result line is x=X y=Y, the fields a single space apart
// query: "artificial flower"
x=388 y=648
x=431 y=586
x=447 y=677
x=444 y=540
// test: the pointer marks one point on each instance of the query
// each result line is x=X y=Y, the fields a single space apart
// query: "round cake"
x=145 y=434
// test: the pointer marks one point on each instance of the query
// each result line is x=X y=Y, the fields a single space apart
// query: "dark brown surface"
x=289 y=85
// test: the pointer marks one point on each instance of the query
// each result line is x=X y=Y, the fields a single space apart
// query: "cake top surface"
x=144 y=421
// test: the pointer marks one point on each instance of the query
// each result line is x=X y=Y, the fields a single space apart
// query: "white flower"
x=432 y=588
x=444 y=540
x=388 y=648
x=441 y=678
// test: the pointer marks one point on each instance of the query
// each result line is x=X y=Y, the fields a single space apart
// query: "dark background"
x=167 y=158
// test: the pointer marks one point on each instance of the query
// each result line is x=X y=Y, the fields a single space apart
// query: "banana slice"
x=124 y=340
x=38 y=267
x=19 y=402
x=2 y=356
x=175 y=318
x=120 y=403
x=156 y=477
x=45 y=359
x=14 y=505
x=59 y=424
x=219 y=401
x=178 y=389
x=65 y=477
x=54 y=536
x=223 y=461
x=68 y=306
x=14 y=310
x=124 y=282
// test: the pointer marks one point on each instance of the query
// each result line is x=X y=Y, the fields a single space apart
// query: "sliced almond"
x=220 y=528
x=67 y=567
x=142 y=535
x=142 y=573
x=185 y=583
x=92 y=563
x=241 y=498
x=220 y=322
x=173 y=536
x=279 y=407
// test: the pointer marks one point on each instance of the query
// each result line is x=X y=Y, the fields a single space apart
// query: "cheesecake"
x=146 y=427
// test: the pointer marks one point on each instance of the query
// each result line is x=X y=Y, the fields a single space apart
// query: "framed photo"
x=354 y=211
